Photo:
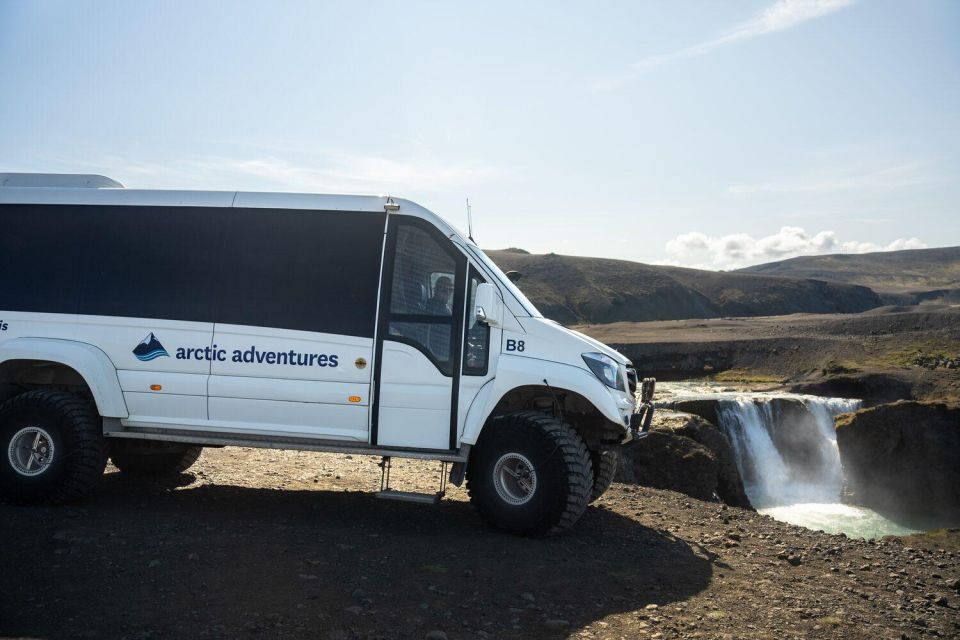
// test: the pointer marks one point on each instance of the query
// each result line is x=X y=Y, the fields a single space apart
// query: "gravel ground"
x=276 y=544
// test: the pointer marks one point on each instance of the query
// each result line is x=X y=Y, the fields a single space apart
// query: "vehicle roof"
x=235 y=199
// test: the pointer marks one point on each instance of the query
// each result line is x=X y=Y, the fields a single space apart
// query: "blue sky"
x=714 y=134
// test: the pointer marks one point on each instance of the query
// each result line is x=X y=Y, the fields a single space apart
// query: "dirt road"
x=268 y=544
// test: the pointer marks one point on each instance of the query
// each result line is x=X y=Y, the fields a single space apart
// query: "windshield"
x=505 y=281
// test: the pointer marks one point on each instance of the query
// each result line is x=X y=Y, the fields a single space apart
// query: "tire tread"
x=576 y=458
x=605 y=465
x=84 y=472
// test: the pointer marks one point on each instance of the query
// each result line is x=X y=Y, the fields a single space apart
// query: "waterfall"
x=785 y=446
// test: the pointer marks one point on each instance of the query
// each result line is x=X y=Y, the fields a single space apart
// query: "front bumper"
x=640 y=420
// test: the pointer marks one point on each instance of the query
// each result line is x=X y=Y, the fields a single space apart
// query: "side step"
x=410 y=496
x=386 y=493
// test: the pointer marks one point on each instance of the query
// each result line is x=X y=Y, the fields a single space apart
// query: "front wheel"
x=530 y=474
x=53 y=448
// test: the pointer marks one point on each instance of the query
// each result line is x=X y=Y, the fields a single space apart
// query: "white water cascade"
x=805 y=467
x=786 y=450
x=785 y=446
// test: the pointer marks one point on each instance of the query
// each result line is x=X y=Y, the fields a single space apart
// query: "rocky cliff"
x=684 y=453
x=904 y=458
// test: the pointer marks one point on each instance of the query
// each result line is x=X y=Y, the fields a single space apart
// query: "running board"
x=409 y=496
x=214 y=439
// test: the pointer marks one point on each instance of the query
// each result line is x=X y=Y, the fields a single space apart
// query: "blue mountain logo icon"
x=150 y=349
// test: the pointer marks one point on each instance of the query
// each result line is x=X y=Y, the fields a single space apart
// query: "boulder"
x=904 y=458
x=684 y=453
x=705 y=408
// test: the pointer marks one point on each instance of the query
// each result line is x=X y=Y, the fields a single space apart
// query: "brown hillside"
x=913 y=270
x=596 y=290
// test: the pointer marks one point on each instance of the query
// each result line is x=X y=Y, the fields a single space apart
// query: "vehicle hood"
x=568 y=340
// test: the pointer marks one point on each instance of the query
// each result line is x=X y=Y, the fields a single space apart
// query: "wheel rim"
x=515 y=478
x=31 y=451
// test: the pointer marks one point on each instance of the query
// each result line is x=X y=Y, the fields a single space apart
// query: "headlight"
x=605 y=368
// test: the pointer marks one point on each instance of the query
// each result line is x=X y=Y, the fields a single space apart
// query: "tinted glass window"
x=476 y=346
x=42 y=252
x=305 y=270
x=153 y=262
x=421 y=304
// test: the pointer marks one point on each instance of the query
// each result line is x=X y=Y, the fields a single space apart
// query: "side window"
x=153 y=262
x=476 y=346
x=422 y=296
x=303 y=270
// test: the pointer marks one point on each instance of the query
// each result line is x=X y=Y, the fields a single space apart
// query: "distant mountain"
x=913 y=270
x=573 y=290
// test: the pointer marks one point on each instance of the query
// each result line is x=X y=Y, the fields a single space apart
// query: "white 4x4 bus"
x=141 y=326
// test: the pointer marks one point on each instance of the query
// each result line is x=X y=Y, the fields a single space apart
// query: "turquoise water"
x=836 y=517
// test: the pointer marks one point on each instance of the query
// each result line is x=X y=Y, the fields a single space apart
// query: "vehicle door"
x=419 y=338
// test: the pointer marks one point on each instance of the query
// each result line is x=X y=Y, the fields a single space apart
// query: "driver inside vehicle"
x=439 y=303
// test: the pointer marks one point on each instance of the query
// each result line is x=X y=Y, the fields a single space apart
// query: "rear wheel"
x=151 y=458
x=530 y=474
x=604 y=468
x=53 y=448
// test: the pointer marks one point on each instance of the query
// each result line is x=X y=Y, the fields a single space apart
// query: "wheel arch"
x=32 y=362
x=525 y=383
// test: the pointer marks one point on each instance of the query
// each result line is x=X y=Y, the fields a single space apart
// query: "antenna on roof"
x=470 y=222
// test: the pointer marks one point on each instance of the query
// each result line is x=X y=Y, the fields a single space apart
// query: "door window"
x=476 y=346
x=422 y=296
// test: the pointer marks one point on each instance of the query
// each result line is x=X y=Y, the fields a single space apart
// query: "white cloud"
x=740 y=249
x=781 y=15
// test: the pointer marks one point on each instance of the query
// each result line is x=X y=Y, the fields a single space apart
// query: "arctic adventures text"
x=258 y=356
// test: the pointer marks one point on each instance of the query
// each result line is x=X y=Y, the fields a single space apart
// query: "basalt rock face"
x=706 y=409
x=729 y=484
x=904 y=458
x=684 y=453
x=873 y=388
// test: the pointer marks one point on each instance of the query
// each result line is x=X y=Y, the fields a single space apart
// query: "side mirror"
x=513 y=276
x=488 y=306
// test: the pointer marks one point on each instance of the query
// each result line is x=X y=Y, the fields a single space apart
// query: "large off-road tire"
x=151 y=458
x=53 y=449
x=604 y=468
x=529 y=474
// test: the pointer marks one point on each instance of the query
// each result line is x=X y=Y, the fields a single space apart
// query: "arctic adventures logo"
x=151 y=349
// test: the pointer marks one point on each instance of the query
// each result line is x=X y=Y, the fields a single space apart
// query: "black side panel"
x=305 y=270
x=286 y=269
x=152 y=262
x=42 y=252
